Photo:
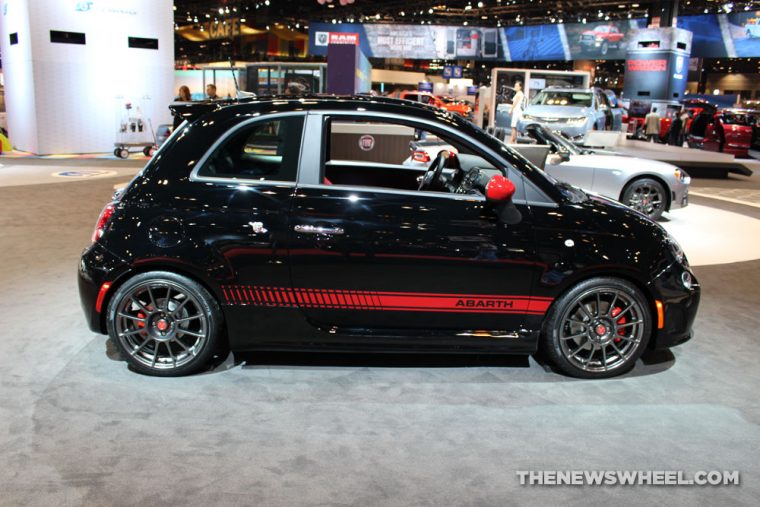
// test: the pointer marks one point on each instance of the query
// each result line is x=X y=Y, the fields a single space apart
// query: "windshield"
x=562 y=98
x=738 y=119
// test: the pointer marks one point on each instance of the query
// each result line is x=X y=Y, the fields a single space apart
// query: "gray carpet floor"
x=78 y=428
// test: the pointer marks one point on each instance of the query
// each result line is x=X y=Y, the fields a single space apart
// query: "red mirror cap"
x=499 y=189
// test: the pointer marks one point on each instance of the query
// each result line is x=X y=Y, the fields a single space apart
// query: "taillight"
x=421 y=156
x=625 y=118
x=103 y=219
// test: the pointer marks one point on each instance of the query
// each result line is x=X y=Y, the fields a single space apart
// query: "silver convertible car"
x=648 y=186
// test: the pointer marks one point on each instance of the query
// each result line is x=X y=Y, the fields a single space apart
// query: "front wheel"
x=647 y=196
x=164 y=324
x=605 y=48
x=598 y=329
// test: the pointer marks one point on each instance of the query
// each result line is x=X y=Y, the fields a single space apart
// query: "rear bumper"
x=96 y=267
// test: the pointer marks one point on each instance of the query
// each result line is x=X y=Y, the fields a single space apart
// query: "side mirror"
x=499 y=192
x=565 y=156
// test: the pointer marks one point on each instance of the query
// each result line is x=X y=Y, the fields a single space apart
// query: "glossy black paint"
x=241 y=234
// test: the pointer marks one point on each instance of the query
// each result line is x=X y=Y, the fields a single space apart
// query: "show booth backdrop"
x=71 y=67
x=715 y=35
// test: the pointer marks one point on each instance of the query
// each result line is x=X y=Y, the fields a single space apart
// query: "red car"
x=639 y=109
x=727 y=130
x=601 y=39
x=455 y=106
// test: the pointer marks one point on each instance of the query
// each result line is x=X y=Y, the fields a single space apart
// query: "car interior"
x=265 y=151
x=377 y=154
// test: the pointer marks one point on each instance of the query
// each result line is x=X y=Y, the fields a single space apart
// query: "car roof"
x=191 y=111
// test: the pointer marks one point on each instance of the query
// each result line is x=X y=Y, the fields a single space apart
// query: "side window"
x=264 y=150
x=388 y=154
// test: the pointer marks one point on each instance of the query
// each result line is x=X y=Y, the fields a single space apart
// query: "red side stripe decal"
x=389 y=301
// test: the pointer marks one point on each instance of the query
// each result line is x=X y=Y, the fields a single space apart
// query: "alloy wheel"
x=161 y=325
x=602 y=329
x=646 y=199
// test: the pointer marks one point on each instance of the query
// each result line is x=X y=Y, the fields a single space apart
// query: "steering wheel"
x=432 y=179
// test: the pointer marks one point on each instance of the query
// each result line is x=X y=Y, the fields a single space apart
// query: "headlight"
x=682 y=176
x=529 y=117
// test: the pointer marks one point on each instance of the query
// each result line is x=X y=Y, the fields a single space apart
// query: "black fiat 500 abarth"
x=279 y=224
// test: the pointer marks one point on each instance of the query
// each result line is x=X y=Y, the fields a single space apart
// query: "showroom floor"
x=78 y=428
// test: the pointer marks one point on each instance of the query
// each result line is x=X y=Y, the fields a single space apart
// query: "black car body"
x=279 y=221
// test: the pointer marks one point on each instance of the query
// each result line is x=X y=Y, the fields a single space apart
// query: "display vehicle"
x=459 y=107
x=573 y=111
x=649 y=186
x=725 y=130
x=254 y=228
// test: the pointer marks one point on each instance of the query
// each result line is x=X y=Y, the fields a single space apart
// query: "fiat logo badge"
x=366 y=142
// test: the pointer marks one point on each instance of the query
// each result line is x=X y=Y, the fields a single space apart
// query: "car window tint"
x=265 y=150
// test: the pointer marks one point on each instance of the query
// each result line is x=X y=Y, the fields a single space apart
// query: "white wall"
x=68 y=98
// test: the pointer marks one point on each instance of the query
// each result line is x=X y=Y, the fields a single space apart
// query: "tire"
x=647 y=196
x=123 y=153
x=616 y=333
x=146 y=151
x=605 y=48
x=165 y=324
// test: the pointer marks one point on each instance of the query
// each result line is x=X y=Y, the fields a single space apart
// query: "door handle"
x=315 y=229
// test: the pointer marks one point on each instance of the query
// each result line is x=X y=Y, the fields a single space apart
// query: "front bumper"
x=679 y=193
x=680 y=306
x=96 y=267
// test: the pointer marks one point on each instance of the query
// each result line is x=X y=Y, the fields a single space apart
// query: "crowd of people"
x=676 y=133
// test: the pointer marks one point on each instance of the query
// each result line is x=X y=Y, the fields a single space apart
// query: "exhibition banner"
x=724 y=35
x=715 y=35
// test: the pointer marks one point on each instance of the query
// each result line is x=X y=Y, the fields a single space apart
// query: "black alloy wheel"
x=164 y=324
x=598 y=329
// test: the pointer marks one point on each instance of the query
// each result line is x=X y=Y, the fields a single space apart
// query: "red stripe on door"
x=387 y=301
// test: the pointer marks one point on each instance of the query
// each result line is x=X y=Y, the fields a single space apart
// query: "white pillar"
x=69 y=98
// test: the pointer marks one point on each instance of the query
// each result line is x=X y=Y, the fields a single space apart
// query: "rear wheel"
x=598 y=329
x=647 y=196
x=164 y=324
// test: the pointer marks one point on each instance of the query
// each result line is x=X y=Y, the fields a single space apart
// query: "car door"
x=711 y=141
x=369 y=258
x=242 y=193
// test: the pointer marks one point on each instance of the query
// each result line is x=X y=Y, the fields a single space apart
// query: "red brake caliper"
x=615 y=312
x=141 y=324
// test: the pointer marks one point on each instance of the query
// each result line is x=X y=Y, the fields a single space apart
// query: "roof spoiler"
x=191 y=111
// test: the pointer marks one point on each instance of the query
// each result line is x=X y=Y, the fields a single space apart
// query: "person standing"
x=518 y=103
x=183 y=96
x=652 y=125
x=211 y=92
x=674 y=134
x=684 y=126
